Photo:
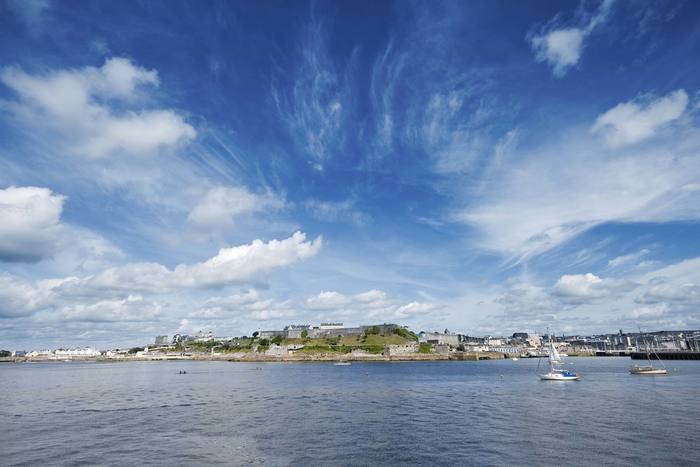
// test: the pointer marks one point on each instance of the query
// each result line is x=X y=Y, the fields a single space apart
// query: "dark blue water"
x=438 y=413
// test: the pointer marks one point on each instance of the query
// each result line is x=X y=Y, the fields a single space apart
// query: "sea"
x=307 y=414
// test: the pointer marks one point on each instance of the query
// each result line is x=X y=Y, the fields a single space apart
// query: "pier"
x=665 y=355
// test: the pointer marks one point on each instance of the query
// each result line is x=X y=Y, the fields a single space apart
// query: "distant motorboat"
x=342 y=363
x=555 y=372
x=515 y=359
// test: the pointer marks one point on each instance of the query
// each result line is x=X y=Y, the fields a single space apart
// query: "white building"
x=78 y=352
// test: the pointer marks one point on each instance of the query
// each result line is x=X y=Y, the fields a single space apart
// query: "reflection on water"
x=437 y=413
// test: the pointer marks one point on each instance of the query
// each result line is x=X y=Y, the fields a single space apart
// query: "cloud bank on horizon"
x=233 y=167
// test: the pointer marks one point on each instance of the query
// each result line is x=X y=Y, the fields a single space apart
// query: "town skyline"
x=181 y=168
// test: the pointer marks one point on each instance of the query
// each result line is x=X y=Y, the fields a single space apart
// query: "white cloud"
x=373 y=304
x=249 y=305
x=78 y=106
x=625 y=260
x=668 y=297
x=583 y=288
x=328 y=211
x=537 y=200
x=315 y=110
x=131 y=308
x=217 y=210
x=631 y=122
x=646 y=312
x=235 y=265
x=29 y=223
x=31 y=12
x=20 y=298
x=114 y=294
x=561 y=48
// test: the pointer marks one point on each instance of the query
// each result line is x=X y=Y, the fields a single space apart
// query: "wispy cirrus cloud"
x=319 y=104
x=574 y=184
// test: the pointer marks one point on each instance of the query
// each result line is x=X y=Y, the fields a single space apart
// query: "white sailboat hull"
x=649 y=371
x=559 y=377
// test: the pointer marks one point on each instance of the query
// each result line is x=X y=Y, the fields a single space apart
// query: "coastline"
x=251 y=357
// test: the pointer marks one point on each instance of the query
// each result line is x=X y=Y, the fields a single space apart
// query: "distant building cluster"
x=518 y=344
x=295 y=331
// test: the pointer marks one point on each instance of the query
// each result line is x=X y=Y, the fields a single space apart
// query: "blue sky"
x=488 y=167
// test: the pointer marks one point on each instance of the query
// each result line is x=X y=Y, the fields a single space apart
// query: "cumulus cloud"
x=634 y=121
x=219 y=207
x=249 y=305
x=235 y=265
x=20 y=298
x=583 y=288
x=131 y=308
x=561 y=47
x=116 y=293
x=29 y=223
x=373 y=304
x=664 y=291
x=646 y=312
x=81 y=106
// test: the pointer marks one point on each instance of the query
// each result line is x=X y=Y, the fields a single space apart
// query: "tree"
x=304 y=334
x=255 y=334
x=264 y=342
x=373 y=330
x=5 y=353
x=276 y=340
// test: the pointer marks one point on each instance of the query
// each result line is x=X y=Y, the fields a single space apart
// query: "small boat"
x=515 y=359
x=647 y=370
x=555 y=372
x=650 y=369
x=342 y=363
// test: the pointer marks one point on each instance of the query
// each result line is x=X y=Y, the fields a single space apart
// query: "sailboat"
x=556 y=373
x=648 y=370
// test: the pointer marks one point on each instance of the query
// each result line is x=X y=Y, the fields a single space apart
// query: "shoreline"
x=249 y=357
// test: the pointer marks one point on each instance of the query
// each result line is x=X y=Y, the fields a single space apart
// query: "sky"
x=486 y=167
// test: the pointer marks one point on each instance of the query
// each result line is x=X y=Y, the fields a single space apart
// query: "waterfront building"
x=293 y=331
x=161 y=340
x=439 y=338
x=85 y=352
